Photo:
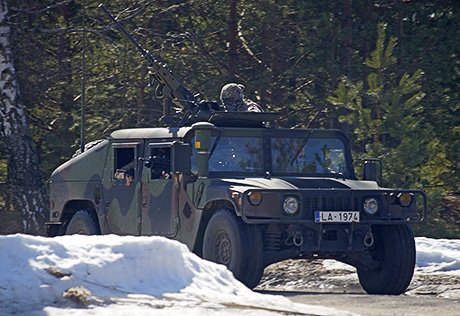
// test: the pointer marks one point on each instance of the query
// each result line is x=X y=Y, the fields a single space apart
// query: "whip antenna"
x=82 y=132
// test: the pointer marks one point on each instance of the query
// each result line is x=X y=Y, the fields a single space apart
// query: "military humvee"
x=243 y=195
x=239 y=193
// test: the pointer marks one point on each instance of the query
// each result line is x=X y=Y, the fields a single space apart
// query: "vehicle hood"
x=295 y=183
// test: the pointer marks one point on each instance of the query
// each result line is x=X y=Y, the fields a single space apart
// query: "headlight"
x=371 y=206
x=404 y=199
x=255 y=198
x=290 y=205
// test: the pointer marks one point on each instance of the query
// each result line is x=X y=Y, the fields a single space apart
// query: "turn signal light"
x=255 y=198
x=404 y=199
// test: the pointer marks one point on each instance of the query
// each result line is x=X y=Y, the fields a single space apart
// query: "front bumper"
x=270 y=209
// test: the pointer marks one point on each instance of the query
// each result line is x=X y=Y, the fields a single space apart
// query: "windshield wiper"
x=216 y=142
x=305 y=141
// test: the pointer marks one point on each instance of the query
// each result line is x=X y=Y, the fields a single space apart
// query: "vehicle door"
x=122 y=189
x=159 y=209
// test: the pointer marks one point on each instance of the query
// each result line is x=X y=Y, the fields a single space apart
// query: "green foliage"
x=434 y=226
x=348 y=96
x=382 y=57
x=387 y=126
x=323 y=64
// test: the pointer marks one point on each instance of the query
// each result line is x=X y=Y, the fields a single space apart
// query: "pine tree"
x=389 y=126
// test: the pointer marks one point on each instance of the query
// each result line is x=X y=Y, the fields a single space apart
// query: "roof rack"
x=226 y=119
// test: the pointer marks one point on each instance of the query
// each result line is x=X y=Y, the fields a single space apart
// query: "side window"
x=160 y=158
x=124 y=158
x=124 y=163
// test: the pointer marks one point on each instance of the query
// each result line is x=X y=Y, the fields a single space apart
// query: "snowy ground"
x=437 y=273
x=113 y=275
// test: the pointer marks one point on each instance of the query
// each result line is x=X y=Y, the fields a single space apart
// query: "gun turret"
x=168 y=86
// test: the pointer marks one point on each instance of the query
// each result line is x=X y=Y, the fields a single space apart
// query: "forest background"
x=386 y=72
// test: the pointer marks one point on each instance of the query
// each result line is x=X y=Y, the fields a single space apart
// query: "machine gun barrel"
x=168 y=85
x=144 y=52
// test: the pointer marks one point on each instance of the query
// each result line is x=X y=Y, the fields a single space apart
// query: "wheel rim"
x=223 y=249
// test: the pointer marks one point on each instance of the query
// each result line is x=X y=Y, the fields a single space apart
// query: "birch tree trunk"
x=23 y=164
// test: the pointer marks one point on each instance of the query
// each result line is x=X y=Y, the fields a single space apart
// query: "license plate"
x=336 y=217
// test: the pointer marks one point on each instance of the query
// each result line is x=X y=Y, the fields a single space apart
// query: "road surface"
x=309 y=282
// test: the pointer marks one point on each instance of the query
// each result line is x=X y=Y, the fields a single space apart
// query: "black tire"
x=228 y=241
x=394 y=250
x=83 y=223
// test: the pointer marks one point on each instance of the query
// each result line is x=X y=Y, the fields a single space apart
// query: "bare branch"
x=65 y=30
x=246 y=47
x=51 y=7
x=98 y=31
x=134 y=12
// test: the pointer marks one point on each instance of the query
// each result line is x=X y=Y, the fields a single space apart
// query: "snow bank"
x=438 y=255
x=125 y=275
x=433 y=256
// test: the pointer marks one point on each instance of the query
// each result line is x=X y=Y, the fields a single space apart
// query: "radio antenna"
x=82 y=132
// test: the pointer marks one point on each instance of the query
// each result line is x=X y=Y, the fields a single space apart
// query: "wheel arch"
x=208 y=211
x=72 y=207
x=83 y=222
x=233 y=243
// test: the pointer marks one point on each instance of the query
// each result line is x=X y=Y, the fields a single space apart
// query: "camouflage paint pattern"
x=179 y=206
x=79 y=179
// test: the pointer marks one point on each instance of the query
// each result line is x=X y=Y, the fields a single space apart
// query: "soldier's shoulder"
x=252 y=106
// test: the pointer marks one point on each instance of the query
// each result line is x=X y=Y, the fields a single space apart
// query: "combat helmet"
x=232 y=96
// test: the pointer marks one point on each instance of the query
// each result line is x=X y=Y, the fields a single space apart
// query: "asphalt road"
x=309 y=282
x=377 y=305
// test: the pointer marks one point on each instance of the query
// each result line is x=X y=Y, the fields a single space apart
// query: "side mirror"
x=372 y=170
x=152 y=161
x=147 y=162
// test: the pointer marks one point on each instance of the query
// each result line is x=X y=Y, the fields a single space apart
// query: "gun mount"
x=168 y=86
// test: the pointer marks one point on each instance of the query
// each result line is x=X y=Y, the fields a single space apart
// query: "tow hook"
x=368 y=239
x=298 y=239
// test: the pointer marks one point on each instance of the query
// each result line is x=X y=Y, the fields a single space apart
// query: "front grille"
x=336 y=202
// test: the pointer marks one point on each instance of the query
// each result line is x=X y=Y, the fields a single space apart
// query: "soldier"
x=129 y=176
x=126 y=172
x=232 y=97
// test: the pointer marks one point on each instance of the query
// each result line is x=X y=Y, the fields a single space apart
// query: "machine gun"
x=168 y=86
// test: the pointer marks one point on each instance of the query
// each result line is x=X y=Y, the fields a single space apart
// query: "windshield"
x=237 y=154
x=308 y=155
x=289 y=156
